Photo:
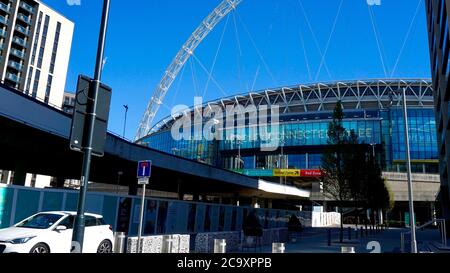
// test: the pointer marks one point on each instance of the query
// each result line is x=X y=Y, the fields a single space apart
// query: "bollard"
x=278 y=248
x=347 y=249
x=167 y=244
x=220 y=246
x=119 y=242
x=329 y=237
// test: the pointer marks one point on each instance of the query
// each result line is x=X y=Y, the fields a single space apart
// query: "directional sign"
x=144 y=169
x=143 y=181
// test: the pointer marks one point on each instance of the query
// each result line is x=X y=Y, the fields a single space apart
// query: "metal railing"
x=442 y=230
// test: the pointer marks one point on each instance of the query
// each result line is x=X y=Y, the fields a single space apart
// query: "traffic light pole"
x=79 y=226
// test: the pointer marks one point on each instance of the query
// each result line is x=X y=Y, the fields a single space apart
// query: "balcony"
x=4 y=7
x=19 y=41
x=17 y=53
x=3 y=33
x=27 y=7
x=17 y=66
x=13 y=77
x=24 y=18
x=3 y=20
x=22 y=30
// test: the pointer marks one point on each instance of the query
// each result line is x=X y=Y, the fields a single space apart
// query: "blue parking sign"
x=144 y=169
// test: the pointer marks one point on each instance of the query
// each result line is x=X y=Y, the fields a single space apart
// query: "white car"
x=51 y=232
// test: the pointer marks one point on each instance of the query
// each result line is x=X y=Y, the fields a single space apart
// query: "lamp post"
x=125 y=121
x=79 y=223
x=408 y=167
x=119 y=174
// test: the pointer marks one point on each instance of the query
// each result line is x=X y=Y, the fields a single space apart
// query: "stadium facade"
x=372 y=108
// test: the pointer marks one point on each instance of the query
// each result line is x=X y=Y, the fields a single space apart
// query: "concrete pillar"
x=255 y=203
x=196 y=197
x=180 y=190
x=20 y=176
x=60 y=182
x=133 y=189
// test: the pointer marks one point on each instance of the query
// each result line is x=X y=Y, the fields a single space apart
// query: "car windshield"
x=40 y=221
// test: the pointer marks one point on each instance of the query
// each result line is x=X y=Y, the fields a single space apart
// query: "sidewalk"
x=316 y=241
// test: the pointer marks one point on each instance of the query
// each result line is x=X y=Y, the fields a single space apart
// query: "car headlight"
x=21 y=240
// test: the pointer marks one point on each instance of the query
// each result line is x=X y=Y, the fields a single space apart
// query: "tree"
x=355 y=160
x=378 y=195
x=335 y=183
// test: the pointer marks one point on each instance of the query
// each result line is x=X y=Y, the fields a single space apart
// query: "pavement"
x=316 y=241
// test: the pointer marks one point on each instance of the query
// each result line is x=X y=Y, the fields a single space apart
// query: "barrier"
x=167 y=244
x=120 y=240
x=278 y=248
x=220 y=246
x=347 y=249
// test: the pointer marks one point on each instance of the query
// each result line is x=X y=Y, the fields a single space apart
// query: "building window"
x=55 y=48
x=43 y=42
x=36 y=83
x=30 y=76
x=48 y=89
x=36 y=40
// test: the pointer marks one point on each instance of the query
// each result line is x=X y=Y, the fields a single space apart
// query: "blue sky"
x=261 y=47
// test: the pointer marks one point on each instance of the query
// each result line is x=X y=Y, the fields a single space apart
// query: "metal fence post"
x=220 y=246
x=278 y=248
x=329 y=237
x=119 y=242
x=402 y=243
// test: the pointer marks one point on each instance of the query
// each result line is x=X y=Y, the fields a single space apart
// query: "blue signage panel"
x=144 y=169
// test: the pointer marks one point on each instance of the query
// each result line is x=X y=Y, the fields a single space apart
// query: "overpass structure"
x=34 y=138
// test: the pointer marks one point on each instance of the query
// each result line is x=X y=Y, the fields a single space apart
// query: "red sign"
x=311 y=173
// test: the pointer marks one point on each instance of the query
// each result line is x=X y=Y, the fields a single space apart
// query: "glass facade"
x=304 y=141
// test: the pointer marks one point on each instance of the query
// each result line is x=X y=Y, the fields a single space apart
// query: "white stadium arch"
x=180 y=60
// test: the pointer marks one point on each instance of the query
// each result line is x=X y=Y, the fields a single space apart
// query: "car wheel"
x=105 y=247
x=40 y=249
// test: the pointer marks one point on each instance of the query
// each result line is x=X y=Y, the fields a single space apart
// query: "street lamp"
x=125 y=121
x=239 y=163
x=408 y=166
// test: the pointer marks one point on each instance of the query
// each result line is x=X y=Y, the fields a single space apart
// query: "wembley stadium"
x=372 y=109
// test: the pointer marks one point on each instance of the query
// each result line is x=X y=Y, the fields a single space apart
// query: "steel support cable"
x=194 y=77
x=316 y=42
x=305 y=53
x=255 y=78
x=408 y=34
x=215 y=57
x=179 y=84
x=239 y=52
x=333 y=29
x=380 y=51
x=209 y=74
x=266 y=66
